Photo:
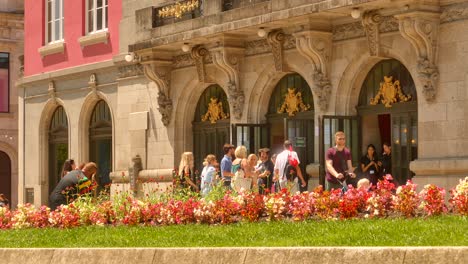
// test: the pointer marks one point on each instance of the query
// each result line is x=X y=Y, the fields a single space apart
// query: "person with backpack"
x=338 y=164
x=287 y=170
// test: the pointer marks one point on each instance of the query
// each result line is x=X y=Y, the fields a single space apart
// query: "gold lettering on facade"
x=389 y=93
x=293 y=103
x=215 y=111
x=178 y=9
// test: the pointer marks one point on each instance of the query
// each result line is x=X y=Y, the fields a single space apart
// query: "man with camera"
x=338 y=164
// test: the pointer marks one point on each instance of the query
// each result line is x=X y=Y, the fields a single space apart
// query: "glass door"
x=252 y=136
x=404 y=144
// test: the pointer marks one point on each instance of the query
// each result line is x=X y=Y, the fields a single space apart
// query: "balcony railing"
x=232 y=4
x=177 y=12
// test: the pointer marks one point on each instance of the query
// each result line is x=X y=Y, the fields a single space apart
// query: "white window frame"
x=51 y=18
x=105 y=17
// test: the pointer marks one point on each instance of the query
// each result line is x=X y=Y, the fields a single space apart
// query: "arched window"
x=100 y=141
x=209 y=135
x=58 y=145
x=388 y=68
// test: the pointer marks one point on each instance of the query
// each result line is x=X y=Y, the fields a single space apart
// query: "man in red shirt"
x=338 y=163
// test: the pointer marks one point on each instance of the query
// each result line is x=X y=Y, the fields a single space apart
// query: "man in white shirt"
x=282 y=161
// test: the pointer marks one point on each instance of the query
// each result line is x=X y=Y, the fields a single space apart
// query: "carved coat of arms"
x=293 y=103
x=389 y=93
x=215 y=111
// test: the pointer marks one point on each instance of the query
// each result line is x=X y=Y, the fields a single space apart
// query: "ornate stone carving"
x=370 y=22
x=293 y=103
x=389 y=93
x=215 y=111
x=316 y=47
x=92 y=83
x=454 y=12
x=275 y=40
x=160 y=73
x=198 y=54
x=182 y=61
x=52 y=92
x=289 y=42
x=227 y=59
x=421 y=29
x=388 y=24
x=130 y=70
x=348 y=31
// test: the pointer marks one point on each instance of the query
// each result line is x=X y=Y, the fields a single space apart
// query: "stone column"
x=212 y=7
x=137 y=126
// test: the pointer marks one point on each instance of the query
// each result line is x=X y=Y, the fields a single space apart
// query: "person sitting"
x=186 y=171
x=208 y=175
x=369 y=165
x=76 y=182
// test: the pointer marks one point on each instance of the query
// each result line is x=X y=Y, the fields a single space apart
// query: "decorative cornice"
x=198 y=55
x=261 y=46
x=421 y=29
x=52 y=92
x=370 y=22
x=454 y=12
x=227 y=59
x=183 y=61
x=356 y=29
x=316 y=47
x=157 y=67
x=92 y=83
x=276 y=40
x=130 y=70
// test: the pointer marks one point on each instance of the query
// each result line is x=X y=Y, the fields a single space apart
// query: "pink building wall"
x=74 y=28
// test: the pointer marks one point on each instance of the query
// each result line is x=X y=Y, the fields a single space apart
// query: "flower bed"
x=225 y=208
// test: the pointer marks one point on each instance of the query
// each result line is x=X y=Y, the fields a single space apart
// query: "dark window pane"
x=99 y=19
x=90 y=4
x=90 y=21
x=99 y=3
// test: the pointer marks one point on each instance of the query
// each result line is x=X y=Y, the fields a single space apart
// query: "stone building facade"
x=173 y=67
x=11 y=51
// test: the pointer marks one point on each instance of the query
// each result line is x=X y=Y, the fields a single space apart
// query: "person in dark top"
x=187 y=172
x=4 y=201
x=338 y=163
x=386 y=162
x=369 y=165
x=68 y=166
x=265 y=170
x=76 y=182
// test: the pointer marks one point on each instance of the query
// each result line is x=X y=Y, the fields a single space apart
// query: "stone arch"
x=12 y=153
x=263 y=88
x=44 y=123
x=185 y=108
x=87 y=108
x=356 y=72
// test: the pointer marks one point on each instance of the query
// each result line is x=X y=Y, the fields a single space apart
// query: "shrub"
x=459 y=197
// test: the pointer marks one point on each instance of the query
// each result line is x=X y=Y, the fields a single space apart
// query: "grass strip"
x=433 y=231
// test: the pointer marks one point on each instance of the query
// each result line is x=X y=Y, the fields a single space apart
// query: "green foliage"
x=432 y=231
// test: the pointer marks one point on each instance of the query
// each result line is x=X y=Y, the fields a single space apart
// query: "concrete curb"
x=339 y=255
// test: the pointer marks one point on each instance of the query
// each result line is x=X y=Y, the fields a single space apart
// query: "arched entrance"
x=388 y=113
x=5 y=175
x=210 y=124
x=58 y=145
x=100 y=141
x=291 y=116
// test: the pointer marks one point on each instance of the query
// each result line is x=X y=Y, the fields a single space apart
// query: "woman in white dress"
x=208 y=175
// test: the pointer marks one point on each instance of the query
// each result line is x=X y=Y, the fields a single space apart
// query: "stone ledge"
x=52 y=48
x=442 y=166
x=94 y=38
x=339 y=255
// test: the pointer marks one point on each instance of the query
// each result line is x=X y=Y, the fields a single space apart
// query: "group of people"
x=75 y=180
x=239 y=170
x=340 y=171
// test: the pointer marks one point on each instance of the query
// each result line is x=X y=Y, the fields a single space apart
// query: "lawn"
x=432 y=231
